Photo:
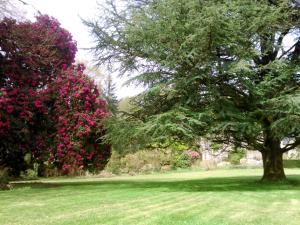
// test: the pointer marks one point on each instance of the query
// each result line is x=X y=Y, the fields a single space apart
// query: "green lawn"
x=192 y=197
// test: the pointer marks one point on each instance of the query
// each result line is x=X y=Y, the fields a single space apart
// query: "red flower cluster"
x=78 y=114
x=47 y=107
x=193 y=155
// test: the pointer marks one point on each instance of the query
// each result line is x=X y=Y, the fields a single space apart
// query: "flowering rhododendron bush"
x=41 y=100
x=78 y=111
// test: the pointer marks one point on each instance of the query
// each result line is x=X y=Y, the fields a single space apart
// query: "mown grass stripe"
x=206 y=198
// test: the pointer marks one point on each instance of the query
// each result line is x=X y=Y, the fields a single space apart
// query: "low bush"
x=144 y=161
x=4 y=178
x=182 y=161
x=132 y=163
x=114 y=164
x=236 y=155
x=291 y=163
x=148 y=161
x=30 y=174
x=186 y=159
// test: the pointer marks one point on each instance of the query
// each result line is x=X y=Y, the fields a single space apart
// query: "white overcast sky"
x=68 y=13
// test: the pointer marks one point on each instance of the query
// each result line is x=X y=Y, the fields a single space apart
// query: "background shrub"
x=291 y=163
x=114 y=163
x=143 y=161
x=4 y=178
x=147 y=161
x=182 y=161
x=186 y=159
x=236 y=155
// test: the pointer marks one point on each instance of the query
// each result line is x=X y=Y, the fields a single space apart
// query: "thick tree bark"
x=273 y=166
x=272 y=156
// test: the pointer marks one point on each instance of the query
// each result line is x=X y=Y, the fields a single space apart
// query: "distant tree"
x=216 y=68
x=109 y=93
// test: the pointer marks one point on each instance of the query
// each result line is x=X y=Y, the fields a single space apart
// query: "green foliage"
x=143 y=161
x=216 y=146
x=4 y=178
x=31 y=173
x=109 y=89
x=185 y=159
x=235 y=156
x=182 y=161
x=291 y=163
x=114 y=164
x=150 y=160
x=125 y=105
x=179 y=123
x=122 y=134
x=177 y=146
x=211 y=68
x=127 y=133
x=132 y=163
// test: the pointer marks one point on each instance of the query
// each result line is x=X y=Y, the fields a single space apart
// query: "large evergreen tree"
x=227 y=69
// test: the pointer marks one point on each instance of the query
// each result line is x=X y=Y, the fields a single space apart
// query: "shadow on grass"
x=216 y=184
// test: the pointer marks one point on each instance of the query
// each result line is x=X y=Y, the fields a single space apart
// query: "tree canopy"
x=225 y=69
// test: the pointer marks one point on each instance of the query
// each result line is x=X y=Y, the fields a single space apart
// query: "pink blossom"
x=9 y=109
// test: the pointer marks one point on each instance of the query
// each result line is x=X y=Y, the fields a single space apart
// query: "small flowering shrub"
x=51 y=115
x=186 y=159
x=193 y=155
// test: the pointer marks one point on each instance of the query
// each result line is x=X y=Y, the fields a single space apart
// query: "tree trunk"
x=273 y=166
x=272 y=156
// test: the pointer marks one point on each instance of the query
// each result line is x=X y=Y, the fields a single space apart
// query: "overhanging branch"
x=291 y=146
